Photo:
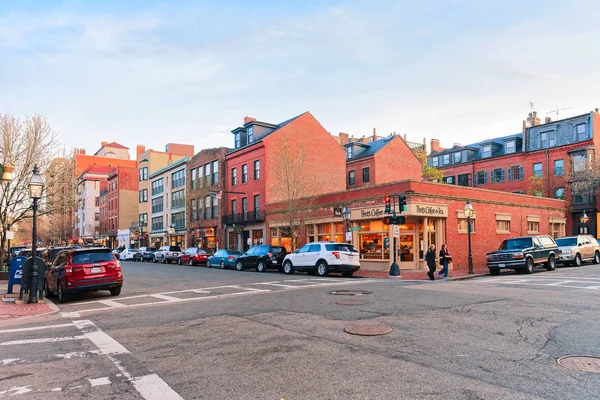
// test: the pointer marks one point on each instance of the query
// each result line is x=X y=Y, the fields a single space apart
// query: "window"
x=178 y=219
x=178 y=199
x=233 y=176
x=464 y=180
x=237 y=139
x=365 y=172
x=244 y=173
x=510 y=147
x=193 y=179
x=578 y=198
x=551 y=139
x=207 y=207
x=543 y=140
x=157 y=223
x=446 y=159
x=143 y=194
x=256 y=170
x=579 y=162
x=207 y=174
x=581 y=132
x=559 y=167
x=157 y=205
x=257 y=206
x=349 y=152
x=457 y=157
x=537 y=170
x=178 y=179
x=97 y=217
x=215 y=207
x=486 y=151
x=234 y=207
x=515 y=173
x=502 y=226
x=143 y=219
x=200 y=176
x=351 y=179
x=244 y=208
x=144 y=174
x=215 y=172
x=533 y=227
x=559 y=193
x=250 y=131
x=448 y=179
x=194 y=208
x=157 y=186
x=480 y=178
x=498 y=175
x=463 y=225
x=434 y=162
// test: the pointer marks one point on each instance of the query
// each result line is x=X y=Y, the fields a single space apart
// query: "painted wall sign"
x=412 y=209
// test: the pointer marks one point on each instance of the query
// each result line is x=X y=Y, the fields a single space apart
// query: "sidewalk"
x=10 y=311
x=456 y=274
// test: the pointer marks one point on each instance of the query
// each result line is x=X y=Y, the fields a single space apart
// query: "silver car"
x=573 y=250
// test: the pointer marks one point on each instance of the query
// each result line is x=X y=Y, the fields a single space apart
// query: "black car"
x=145 y=254
x=523 y=253
x=261 y=257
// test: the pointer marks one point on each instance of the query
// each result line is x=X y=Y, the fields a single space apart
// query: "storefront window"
x=407 y=248
x=375 y=246
x=285 y=233
x=274 y=237
x=325 y=232
x=257 y=237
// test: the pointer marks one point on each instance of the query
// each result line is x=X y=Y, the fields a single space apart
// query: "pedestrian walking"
x=445 y=259
x=430 y=259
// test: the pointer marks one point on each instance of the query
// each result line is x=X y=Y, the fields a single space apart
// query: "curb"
x=466 y=277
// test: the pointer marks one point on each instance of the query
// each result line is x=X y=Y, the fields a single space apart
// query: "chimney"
x=247 y=120
x=344 y=138
x=104 y=144
x=435 y=145
x=532 y=120
x=170 y=159
x=139 y=150
x=597 y=110
x=547 y=120
x=374 y=134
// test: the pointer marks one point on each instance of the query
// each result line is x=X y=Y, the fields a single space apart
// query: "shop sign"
x=427 y=210
x=238 y=229
x=368 y=213
x=209 y=231
x=337 y=211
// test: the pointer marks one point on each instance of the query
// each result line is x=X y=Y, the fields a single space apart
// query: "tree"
x=23 y=144
x=429 y=174
x=60 y=200
x=586 y=180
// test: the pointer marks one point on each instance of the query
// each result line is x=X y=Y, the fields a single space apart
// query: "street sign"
x=348 y=236
x=238 y=229
x=396 y=230
x=10 y=235
x=355 y=228
x=337 y=211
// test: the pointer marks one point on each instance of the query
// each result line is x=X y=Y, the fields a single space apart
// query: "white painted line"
x=70 y=315
x=76 y=354
x=279 y=284
x=37 y=328
x=250 y=289
x=99 y=381
x=9 y=361
x=513 y=282
x=56 y=390
x=152 y=387
x=558 y=283
x=167 y=298
x=199 y=291
x=105 y=343
x=112 y=303
x=42 y=340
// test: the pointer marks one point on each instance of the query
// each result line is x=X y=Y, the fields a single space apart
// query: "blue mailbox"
x=15 y=275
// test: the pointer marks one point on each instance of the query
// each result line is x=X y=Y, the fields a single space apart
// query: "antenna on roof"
x=557 y=110
x=531 y=106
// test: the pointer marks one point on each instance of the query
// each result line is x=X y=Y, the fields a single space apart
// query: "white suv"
x=166 y=254
x=321 y=258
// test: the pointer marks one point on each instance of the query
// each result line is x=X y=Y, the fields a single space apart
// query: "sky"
x=182 y=71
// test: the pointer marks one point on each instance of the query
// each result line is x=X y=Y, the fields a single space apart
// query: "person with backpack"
x=430 y=259
x=445 y=259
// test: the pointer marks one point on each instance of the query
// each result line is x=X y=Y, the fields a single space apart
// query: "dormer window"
x=457 y=157
x=511 y=147
x=237 y=140
x=349 y=152
x=434 y=162
x=250 y=131
x=486 y=151
x=446 y=159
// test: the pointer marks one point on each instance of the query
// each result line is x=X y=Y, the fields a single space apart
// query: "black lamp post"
x=584 y=220
x=346 y=215
x=36 y=187
x=469 y=214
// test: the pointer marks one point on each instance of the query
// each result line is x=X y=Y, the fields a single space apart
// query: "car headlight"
x=518 y=255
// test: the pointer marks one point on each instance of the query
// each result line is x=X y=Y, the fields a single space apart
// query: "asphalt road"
x=199 y=333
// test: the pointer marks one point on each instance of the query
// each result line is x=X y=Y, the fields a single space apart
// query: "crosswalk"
x=77 y=309
x=548 y=280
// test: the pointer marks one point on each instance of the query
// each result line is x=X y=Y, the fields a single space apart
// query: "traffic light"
x=401 y=203
x=387 y=220
x=394 y=220
x=388 y=205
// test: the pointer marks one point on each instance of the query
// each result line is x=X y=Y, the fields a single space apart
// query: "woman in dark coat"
x=445 y=259
x=430 y=258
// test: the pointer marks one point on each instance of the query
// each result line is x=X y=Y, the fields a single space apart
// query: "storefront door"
x=406 y=247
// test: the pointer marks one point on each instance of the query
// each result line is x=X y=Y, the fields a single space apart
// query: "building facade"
x=205 y=187
x=87 y=213
x=168 y=201
x=122 y=198
x=538 y=162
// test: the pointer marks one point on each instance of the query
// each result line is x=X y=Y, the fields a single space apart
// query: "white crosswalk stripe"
x=546 y=280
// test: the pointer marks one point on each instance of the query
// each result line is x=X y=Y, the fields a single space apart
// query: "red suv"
x=193 y=256
x=83 y=270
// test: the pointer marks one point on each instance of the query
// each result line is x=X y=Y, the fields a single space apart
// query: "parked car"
x=321 y=258
x=223 y=258
x=573 y=250
x=147 y=253
x=127 y=254
x=166 y=254
x=52 y=252
x=14 y=251
x=523 y=253
x=261 y=257
x=193 y=256
x=116 y=253
x=85 y=269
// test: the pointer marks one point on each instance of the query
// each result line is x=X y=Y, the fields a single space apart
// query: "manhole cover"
x=581 y=363
x=350 y=292
x=350 y=302
x=368 y=329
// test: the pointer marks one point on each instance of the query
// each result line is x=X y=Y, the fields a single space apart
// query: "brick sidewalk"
x=422 y=275
x=9 y=311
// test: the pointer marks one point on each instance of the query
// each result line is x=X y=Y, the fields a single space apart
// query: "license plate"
x=502 y=265
x=95 y=270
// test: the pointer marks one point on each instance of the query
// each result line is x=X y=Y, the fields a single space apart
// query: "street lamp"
x=6 y=173
x=36 y=187
x=584 y=218
x=469 y=214
x=171 y=231
x=346 y=215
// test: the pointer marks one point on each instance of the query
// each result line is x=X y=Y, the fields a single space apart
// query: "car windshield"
x=516 y=244
x=90 y=257
x=233 y=252
x=276 y=250
x=175 y=248
x=567 y=241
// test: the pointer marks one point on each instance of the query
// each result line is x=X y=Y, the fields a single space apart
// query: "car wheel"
x=322 y=269
x=239 y=266
x=551 y=264
x=222 y=265
x=164 y=260
x=288 y=268
x=528 y=266
x=596 y=259
x=49 y=294
x=62 y=296
x=179 y=261
x=191 y=262
x=577 y=261
x=494 y=271
x=260 y=267
x=347 y=274
x=115 y=291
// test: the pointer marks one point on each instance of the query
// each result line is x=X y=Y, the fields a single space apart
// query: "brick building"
x=271 y=163
x=122 y=197
x=88 y=187
x=537 y=161
x=205 y=184
x=103 y=220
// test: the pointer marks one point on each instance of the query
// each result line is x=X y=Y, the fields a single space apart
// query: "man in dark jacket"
x=430 y=258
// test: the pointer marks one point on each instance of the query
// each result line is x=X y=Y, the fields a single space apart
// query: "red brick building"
x=205 y=184
x=272 y=163
x=122 y=200
x=103 y=210
x=537 y=162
